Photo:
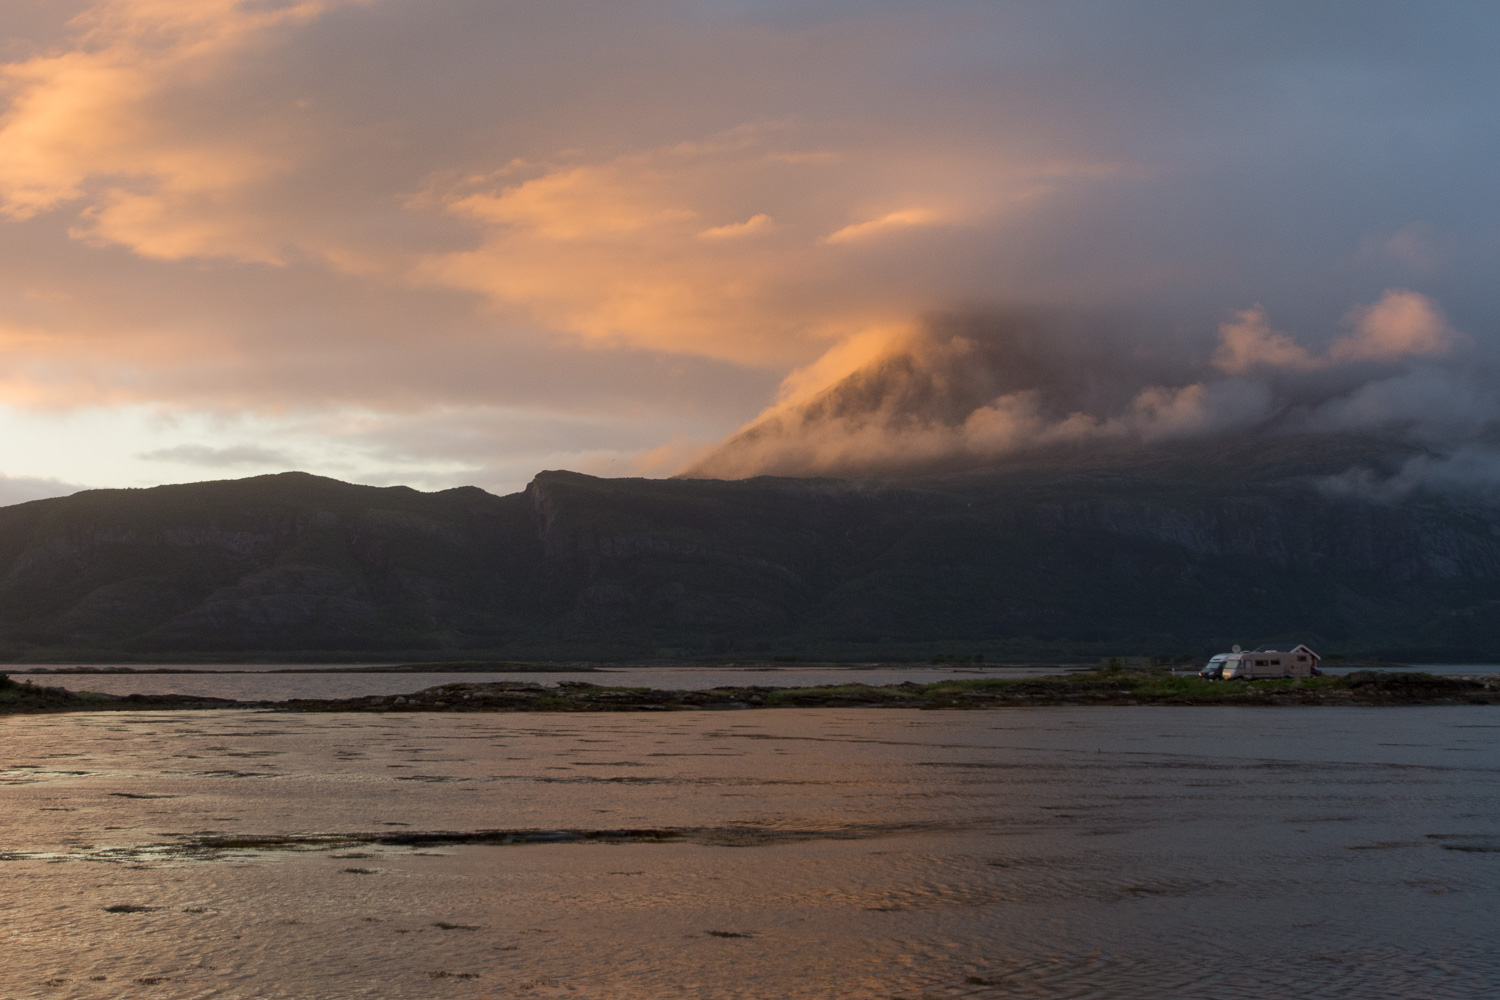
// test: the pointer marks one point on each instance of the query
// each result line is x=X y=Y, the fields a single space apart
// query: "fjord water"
x=1063 y=852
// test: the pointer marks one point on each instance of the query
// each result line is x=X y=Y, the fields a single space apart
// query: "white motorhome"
x=1263 y=663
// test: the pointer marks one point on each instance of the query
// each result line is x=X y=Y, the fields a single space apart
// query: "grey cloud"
x=228 y=457
x=480 y=437
x=1439 y=403
x=1469 y=469
x=20 y=489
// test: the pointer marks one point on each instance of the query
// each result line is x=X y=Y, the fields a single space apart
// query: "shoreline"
x=74 y=668
x=1102 y=688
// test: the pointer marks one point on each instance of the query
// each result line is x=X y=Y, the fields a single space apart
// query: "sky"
x=453 y=242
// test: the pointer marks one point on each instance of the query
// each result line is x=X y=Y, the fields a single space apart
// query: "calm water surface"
x=1092 y=852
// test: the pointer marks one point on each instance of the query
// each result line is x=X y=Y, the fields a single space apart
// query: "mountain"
x=1169 y=550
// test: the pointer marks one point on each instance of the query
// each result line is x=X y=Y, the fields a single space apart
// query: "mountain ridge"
x=1167 y=550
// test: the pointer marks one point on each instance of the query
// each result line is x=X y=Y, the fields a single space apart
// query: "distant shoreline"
x=452 y=667
x=536 y=667
x=1099 y=688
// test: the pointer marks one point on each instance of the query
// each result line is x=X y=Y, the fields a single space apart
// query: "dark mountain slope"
x=288 y=562
x=1171 y=549
x=1161 y=549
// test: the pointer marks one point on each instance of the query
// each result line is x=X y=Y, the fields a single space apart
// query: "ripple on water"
x=1129 y=853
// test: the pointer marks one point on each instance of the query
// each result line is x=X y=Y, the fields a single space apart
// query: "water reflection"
x=1146 y=852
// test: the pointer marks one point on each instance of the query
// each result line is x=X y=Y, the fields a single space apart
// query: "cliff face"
x=1163 y=552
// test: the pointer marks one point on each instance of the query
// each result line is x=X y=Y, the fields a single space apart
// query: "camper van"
x=1263 y=663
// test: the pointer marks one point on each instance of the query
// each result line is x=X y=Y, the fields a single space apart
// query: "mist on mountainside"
x=965 y=390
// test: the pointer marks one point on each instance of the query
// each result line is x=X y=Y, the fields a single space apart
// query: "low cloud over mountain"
x=965 y=390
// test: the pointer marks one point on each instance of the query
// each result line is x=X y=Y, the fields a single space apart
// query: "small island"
x=1098 y=687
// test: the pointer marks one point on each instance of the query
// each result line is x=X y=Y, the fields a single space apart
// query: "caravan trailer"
x=1263 y=663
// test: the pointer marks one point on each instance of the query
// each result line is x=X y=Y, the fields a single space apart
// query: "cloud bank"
x=962 y=391
x=454 y=241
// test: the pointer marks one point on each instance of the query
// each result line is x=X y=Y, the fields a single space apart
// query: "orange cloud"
x=1248 y=342
x=137 y=134
x=48 y=368
x=88 y=124
x=616 y=251
x=596 y=202
x=904 y=219
x=1401 y=324
x=734 y=230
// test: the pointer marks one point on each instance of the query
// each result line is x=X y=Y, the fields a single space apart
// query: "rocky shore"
x=1363 y=688
x=24 y=698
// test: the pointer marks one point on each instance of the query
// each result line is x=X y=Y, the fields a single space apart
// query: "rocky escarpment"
x=1166 y=552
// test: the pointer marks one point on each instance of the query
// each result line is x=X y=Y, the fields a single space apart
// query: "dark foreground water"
x=1104 y=852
